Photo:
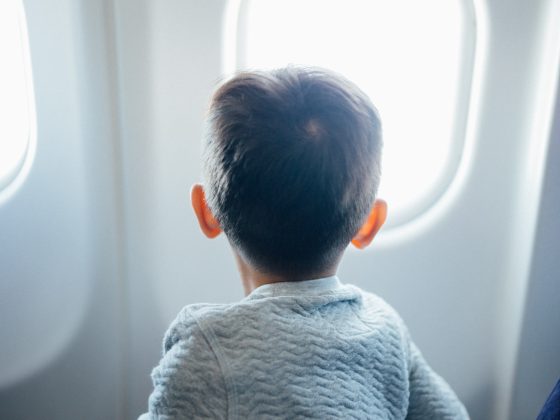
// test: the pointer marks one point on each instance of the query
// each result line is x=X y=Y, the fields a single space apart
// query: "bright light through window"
x=16 y=98
x=413 y=58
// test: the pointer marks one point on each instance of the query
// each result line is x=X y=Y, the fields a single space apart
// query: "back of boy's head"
x=292 y=166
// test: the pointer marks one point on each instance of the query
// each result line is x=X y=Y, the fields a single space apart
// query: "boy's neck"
x=252 y=278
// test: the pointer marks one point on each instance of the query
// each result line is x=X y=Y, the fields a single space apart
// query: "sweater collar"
x=297 y=288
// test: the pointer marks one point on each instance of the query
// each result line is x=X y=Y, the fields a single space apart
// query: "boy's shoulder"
x=206 y=320
x=377 y=307
x=190 y=322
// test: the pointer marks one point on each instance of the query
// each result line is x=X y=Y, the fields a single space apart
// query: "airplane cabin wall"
x=169 y=61
x=60 y=247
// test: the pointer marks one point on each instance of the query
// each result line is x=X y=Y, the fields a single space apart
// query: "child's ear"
x=373 y=223
x=208 y=223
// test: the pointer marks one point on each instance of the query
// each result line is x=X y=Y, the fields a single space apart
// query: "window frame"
x=13 y=180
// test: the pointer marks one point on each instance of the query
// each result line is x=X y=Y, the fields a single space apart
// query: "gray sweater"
x=312 y=349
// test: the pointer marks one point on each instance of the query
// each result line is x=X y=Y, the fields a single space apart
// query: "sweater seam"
x=231 y=391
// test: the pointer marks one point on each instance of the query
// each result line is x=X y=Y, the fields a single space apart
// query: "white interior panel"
x=59 y=344
x=169 y=64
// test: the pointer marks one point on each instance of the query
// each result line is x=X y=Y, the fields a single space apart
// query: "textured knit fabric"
x=313 y=349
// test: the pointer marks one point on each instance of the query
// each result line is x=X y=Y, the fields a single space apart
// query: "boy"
x=292 y=165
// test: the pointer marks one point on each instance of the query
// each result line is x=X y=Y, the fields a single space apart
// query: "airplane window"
x=413 y=58
x=16 y=98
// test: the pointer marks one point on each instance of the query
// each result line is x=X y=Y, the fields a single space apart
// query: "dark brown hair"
x=292 y=165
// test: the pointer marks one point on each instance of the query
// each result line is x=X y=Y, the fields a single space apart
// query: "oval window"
x=413 y=58
x=17 y=108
